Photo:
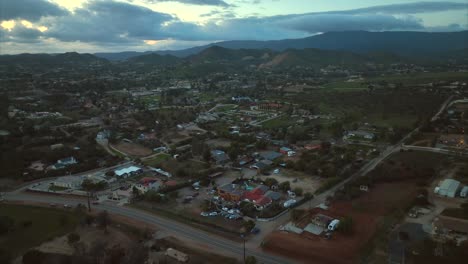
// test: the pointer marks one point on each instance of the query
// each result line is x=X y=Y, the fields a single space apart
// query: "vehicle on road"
x=67 y=206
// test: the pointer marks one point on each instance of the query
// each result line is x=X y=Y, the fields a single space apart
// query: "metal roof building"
x=449 y=188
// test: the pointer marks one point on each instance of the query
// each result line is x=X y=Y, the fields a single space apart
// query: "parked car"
x=66 y=206
x=255 y=230
x=276 y=171
x=213 y=213
x=52 y=205
x=289 y=203
x=204 y=214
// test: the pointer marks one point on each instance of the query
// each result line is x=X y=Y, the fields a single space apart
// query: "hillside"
x=401 y=43
x=156 y=60
x=51 y=59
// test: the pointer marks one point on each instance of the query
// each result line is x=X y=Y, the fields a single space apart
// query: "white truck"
x=333 y=225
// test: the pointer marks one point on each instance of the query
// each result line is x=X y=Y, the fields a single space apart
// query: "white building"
x=448 y=188
x=128 y=171
x=71 y=182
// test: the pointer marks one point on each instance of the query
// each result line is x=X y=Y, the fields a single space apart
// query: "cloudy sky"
x=118 y=25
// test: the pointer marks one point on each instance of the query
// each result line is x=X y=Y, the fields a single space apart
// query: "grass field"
x=157 y=160
x=283 y=121
x=406 y=79
x=45 y=224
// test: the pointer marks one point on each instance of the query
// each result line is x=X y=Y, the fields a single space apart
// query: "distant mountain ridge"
x=397 y=42
x=51 y=59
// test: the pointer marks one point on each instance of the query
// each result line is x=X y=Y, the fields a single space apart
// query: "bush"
x=73 y=238
x=346 y=225
x=298 y=191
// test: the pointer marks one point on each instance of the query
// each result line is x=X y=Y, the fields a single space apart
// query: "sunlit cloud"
x=26 y=23
x=42 y=28
x=8 y=24
x=150 y=41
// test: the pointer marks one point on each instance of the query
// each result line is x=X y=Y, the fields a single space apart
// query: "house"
x=148 y=184
x=274 y=196
x=285 y=150
x=63 y=163
x=270 y=155
x=321 y=220
x=72 y=182
x=257 y=197
x=264 y=164
x=161 y=172
x=356 y=134
x=128 y=171
x=230 y=192
x=67 y=161
x=219 y=156
x=448 y=188
x=103 y=135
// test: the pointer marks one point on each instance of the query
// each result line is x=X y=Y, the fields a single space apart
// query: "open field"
x=45 y=224
x=156 y=160
x=279 y=122
x=132 y=149
x=406 y=79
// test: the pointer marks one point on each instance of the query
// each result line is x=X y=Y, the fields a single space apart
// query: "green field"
x=279 y=122
x=406 y=79
x=45 y=224
x=157 y=160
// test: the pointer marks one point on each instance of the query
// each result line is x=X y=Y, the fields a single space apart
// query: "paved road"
x=215 y=243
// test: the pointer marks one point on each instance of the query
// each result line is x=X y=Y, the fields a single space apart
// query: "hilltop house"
x=62 y=163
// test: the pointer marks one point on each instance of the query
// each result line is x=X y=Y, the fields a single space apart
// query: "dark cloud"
x=411 y=8
x=107 y=23
x=195 y=2
x=31 y=10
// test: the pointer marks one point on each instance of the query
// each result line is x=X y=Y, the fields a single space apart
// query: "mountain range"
x=399 y=43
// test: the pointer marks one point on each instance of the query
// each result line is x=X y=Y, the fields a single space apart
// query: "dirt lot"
x=366 y=213
x=132 y=149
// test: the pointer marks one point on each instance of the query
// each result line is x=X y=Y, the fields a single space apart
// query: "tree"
x=285 y=186
x=91 y=187
x=298 y=191
x=207 y=154
x=6 y=224
x=73 y=238
x=296 y=214
x=103 y=220
x=251 y=260
x=346 y=225
x=270 y=182
x=33 y=257
x=248 y=225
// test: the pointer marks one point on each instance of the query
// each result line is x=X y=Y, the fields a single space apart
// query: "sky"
x=54 y=26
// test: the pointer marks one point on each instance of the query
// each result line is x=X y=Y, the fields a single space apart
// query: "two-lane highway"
x=213 y=242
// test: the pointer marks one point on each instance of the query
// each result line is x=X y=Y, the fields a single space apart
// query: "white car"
x=213 y=213
x=289 y=203
x=204 y=214
x=276 y=171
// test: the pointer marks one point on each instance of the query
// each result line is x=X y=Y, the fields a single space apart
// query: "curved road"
x=215 y=243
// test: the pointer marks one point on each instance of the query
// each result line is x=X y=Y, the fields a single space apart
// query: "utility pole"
x=243 y=239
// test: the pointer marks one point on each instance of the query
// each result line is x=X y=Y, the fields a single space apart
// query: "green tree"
x=285 y=186
x=103 y=220
x=73 y=238
x=298 y=191
x=346 y=225
x=207 y=154
x=91 y=187
x=250 y=260
x=296 y=214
